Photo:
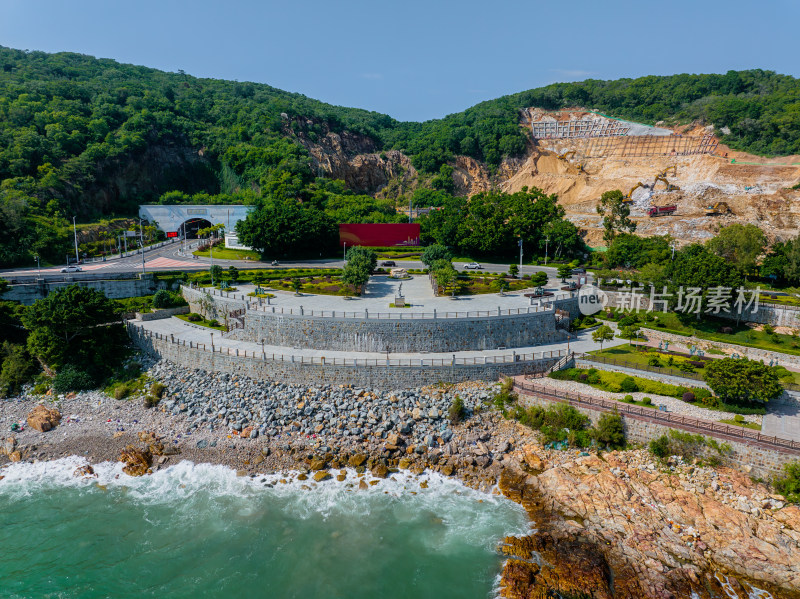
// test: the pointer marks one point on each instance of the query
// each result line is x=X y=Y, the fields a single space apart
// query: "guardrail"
x=513 y=357
x=402 y=314
x=669 y=419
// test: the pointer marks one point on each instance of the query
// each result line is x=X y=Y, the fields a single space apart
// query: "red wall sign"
x=172 y=233
x=379 y=235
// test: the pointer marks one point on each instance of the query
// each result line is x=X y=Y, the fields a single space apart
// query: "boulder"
x=137 y=461
x=357 y=460
x=321 y=475
x=380 y=471
x=43 y=419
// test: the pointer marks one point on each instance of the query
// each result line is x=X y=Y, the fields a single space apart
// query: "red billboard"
x=379 y=235
x=172 y=233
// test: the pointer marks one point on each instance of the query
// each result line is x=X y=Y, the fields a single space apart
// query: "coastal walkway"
x=193 y=335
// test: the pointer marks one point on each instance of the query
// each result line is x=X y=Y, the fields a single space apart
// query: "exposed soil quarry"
x=755 y=193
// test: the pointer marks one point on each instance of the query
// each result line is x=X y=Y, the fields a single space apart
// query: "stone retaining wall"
x=161 y=314
x=27 y=293
x=372 y=376
x=400 y=335
x=755 y=459
x=752 y=353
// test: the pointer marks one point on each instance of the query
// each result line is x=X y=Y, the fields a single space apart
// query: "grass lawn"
x=229 y=254
x=708 y=328
x=203 y=322
x=752 y=425
x=477 y=285
x=326 y=285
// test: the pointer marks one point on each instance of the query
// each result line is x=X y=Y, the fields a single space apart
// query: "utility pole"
x=141 y=241
x=38 y=269
x=546 y=241
x=211 y=270
x=520 y=257
x=75 y=233
x=344 y=252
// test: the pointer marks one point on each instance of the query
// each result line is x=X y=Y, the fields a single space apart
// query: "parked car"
x=388 y=263
x=71 y=268
x=473 y=266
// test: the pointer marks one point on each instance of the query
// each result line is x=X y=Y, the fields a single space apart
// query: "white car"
x=473 y=266
x=71 y=268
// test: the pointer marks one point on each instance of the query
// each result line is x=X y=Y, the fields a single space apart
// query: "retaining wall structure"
x=759 y=454
x=27 y=293
x=394 y=332
x=378 y=374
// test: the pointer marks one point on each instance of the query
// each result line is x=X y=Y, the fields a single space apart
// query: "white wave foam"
x=448 y=502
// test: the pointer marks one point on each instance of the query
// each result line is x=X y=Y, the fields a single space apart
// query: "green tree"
x=564 y=272
x=539 y=279
x=216 y=274
x=17 y=368
x=602 y=334
x=78 y=326
x=615 y=215
x=233 y=273
x=742 y=381
x=788 y=484
x=739 y=244
x=513 y=270
x=629 y=332
x=434 y=253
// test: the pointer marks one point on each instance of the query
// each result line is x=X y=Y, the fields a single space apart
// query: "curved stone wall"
x=400 y=335
x=371 y=376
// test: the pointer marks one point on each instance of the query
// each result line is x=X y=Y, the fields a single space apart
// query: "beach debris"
x=44 y=419
x=85 y=471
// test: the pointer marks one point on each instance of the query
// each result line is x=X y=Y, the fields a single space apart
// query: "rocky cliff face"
x=622 y=525
x=352 y=157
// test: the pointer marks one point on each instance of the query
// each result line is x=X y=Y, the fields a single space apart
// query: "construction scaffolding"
x=636 y=146
x=577 y=128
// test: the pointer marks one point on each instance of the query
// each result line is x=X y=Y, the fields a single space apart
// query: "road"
x=170 y=258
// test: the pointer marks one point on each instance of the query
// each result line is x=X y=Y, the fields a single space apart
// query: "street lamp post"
x=546 y=241
x=520 y=257
x=38 y=269
x=75 y=233
x=344 y=252
x=141 y=242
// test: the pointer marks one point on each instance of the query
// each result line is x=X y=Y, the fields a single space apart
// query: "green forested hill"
x=93 y=137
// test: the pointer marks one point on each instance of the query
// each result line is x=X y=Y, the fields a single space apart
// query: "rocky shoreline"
x=612 y=525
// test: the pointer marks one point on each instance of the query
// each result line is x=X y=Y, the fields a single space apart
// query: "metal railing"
x=367 y=315
x=669 y=419
x=534 y=358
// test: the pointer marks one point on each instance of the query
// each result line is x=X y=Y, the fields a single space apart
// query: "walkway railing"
x=536 y=359
x=255 y=305
x=667 y=418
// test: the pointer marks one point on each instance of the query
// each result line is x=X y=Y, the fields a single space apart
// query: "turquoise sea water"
x=201 y=531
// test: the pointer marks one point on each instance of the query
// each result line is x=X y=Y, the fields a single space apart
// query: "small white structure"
x=232 y=242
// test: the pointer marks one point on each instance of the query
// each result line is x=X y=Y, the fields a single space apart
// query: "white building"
x=175 y=220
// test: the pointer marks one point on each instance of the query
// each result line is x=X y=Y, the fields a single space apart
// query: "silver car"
x=473 y=266
x=71 y=268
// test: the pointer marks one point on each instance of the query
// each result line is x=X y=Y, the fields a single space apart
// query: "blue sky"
x=414 y=60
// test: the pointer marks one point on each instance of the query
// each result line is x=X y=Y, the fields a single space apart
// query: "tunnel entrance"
x=190 y=227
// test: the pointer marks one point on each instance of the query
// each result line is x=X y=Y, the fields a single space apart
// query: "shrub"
x=121 y=392
x=150 y=401
x=457 y=412
x=742 y=381
x=628 y=384
x=788 y=485
x=628 y=399
x=660 y=447
x=193 y=317
x=213 y=323
x=701 y=393
x=647 y=401
x=70 y=378
x=738 y=418
x=710 y=402
x=157 y=390
x=162 y=299
x=654 y=361
x=697 y=363
x=627 y=321
x=685 y=367
x=769 y=329
x=610 y=431
x=689 y=397
x=670 y=361
x=583 y=377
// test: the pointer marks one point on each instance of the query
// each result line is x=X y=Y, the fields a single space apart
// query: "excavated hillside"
x=755 y=193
